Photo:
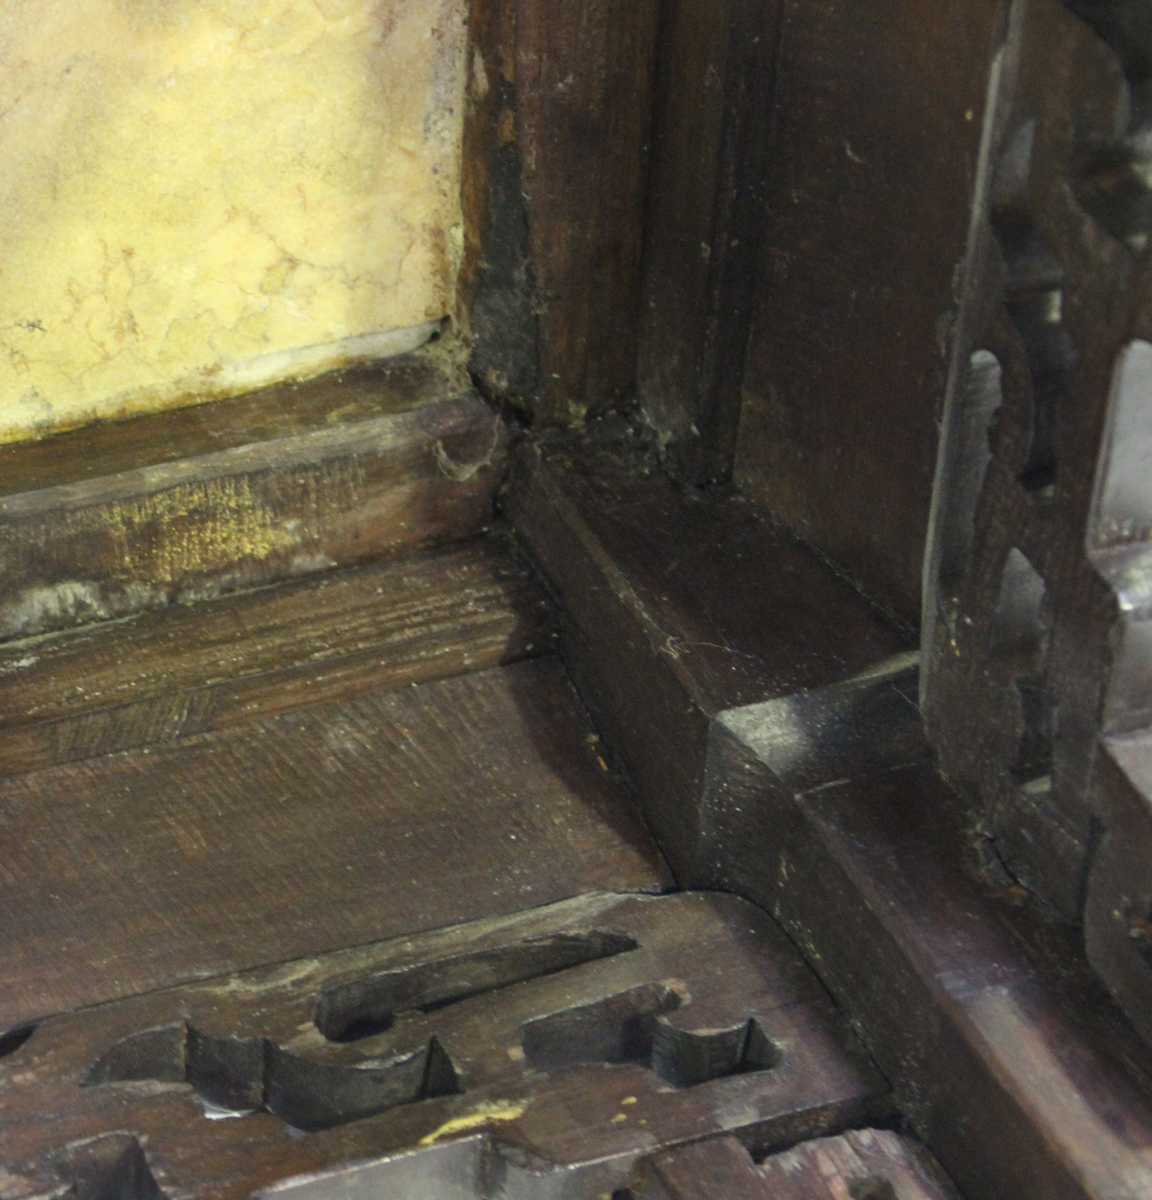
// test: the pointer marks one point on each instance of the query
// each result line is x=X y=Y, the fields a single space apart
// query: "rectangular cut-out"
x=204 y=197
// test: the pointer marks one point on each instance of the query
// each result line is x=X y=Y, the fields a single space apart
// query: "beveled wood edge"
x=324 y=403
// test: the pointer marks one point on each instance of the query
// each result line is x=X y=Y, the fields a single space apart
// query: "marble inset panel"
x=200 y=196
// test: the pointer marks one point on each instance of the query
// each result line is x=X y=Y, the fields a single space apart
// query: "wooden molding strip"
x=164 y=675
x=306 y=501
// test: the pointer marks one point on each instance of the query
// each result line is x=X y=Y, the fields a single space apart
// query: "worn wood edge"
x=414 y=647
x=245 y=518
x=341 y=397
x=994 y=1095
x=598 y=607
x=392 y=435
x=655 y=716
x=529 y=470
x=824 y=1167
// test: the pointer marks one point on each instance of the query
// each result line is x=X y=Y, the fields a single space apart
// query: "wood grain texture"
x=327 y=826
x=876 y=134
x=678 y=604
x=1118 y=904
x=584 y=75
x=282 y=410
x=572 y=1130
x=165 y=675
x=715 y=75
x=1004 y=1053
x=150 y=536
x=554 y=189
x=720 y=1167
x=864 y=1164
x=860 y=1163
x=497 y=287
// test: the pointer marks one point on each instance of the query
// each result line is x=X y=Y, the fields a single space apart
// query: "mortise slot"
x=109 y=1167
x=244 y=1075
x=1020 y=618
x=616 y=1029
x=368 y=1007
x=632 y=1026
x=11 y=1041
x=687 y=1058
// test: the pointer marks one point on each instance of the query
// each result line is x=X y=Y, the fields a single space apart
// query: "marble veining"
x=201 y=196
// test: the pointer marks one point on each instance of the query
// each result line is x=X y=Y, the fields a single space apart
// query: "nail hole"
x=872 y=1187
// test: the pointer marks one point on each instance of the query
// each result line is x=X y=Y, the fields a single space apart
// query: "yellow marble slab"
x=202 y=196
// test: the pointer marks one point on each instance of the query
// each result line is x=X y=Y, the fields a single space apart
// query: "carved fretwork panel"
x=1035 y=634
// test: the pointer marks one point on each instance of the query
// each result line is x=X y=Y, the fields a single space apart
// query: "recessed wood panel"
x=872 y=168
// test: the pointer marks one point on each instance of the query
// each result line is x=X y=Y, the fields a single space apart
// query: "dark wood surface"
x=715 y=76
x=164 y=675
x=186 y=530
x=677 y=604
x=327 y=826
x=1005 y=1055
x=584 y=85
x=873 y=157
x=720 y=1167
x=141 y=1068
x=865 y=1164
x=555 y=170
x=497 y=301
x=283 y=410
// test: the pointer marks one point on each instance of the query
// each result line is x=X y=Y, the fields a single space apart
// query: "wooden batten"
x=678 y=604
x=292 y=481
x=164 y=675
